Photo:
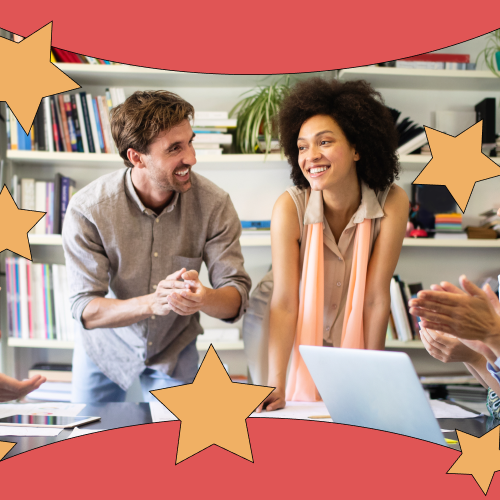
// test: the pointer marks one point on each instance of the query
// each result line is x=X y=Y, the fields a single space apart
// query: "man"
x=134 y=242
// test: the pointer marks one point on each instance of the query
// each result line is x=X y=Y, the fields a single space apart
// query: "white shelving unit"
x=266 y=178
x=59 y=344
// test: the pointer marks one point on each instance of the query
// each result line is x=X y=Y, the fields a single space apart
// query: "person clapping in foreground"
x=463 y=325
x=10 y=388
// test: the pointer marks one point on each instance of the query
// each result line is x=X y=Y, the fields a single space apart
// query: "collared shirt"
x=337 y=255
x=115 y=247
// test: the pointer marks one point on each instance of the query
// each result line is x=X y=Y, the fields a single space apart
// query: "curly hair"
x=361 y=114
x=137 y=122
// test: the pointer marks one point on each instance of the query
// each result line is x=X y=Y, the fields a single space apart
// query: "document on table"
x=7 y=430
x=82 y=432
x=159 y=413
x=57 y=409
x=445 y=410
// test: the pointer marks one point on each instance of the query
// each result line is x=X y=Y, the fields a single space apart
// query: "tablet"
x=46 y=421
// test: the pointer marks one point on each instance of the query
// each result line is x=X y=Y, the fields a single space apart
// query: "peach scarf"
x=300 y=386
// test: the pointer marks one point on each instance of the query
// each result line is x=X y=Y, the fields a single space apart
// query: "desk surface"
x=114 y=415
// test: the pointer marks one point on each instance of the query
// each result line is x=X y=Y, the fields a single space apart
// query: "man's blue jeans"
x=90 y=385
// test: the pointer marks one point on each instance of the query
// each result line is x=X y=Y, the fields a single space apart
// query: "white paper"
x=7 y=430
x=297 y=410
x=159 y=413
x=56 y=409
x=81 y=432
x=445 y=410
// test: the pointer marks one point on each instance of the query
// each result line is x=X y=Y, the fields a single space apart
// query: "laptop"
x=374 y=389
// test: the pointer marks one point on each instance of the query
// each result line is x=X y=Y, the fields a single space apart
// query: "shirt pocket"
x=190 y=263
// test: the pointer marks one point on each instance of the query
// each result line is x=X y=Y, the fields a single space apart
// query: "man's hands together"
x=183 y=297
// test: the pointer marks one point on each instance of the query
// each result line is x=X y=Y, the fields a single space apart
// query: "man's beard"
x=171 y=185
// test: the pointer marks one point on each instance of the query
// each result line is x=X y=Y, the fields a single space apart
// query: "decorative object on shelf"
x=491 y=52
x=411 y=137
x=433 y=61
x=255 y=130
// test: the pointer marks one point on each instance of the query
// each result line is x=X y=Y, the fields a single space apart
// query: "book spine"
x=40 y=203
x=56 y=206
x=14 y=144
x=8 y=279
x=98 y=124
x=71 y=124
x=48 y=128
x=103 y=113
x=93 y=126
x=23 y=299
x=7 y=126
x=29 y=279
x=77 y=123
x=64 y=121
x=40 y=132
x=45 y=302
x=18 y=297
x=83 y=123
x=55 y=125
x=50 y=296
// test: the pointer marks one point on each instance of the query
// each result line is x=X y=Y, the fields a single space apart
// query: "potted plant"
x=256 y=130
x=491 y=52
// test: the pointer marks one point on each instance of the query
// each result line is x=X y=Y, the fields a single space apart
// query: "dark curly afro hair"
x=361 y=114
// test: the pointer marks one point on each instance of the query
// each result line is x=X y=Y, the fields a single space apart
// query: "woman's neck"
x=340 y=203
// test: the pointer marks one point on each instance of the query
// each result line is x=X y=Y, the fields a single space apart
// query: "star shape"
x=15 y=224
x=31 y=75
x=480 y=457
x=457 y=163
x=213 y=410
x=5 y=447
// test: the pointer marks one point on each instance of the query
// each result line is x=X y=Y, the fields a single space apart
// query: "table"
x=114 y=415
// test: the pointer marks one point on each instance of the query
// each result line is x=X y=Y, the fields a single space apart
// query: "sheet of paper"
x=6 y=430
x=81 y=432
x=298 y=410
x=59 y=409
x=445 y=410
x=159 y=413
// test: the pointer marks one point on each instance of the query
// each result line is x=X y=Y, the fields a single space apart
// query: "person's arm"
x=88 y=265
x=381 y=268
x=228 y=299
x=285 y=235
x=470 y=315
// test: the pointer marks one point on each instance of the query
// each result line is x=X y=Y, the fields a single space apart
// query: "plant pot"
x=497 y=59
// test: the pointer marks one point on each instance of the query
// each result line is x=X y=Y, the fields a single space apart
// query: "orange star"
x=480 y=457
x=5 y=448
x=15 y=224
x=457 y=163
x=213 y=410
x=31 y=75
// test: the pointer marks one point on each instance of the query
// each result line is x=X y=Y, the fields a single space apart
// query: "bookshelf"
x=255 y=182
x=59 y=344
x=423 y=79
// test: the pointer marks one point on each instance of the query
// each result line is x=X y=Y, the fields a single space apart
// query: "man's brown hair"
x=139 y=120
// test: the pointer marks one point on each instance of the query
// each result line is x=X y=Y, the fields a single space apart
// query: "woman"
x=341 y=142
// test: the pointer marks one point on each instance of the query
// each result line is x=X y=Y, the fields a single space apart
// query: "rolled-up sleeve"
x=222 y=254
x=87 y=265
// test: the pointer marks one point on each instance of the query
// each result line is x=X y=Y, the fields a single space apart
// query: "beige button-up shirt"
x=338 y=255
x=116 y=247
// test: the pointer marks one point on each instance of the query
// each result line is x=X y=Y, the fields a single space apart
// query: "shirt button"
x=334 y=306
x=340 y=258
x=157 y=219
x=150 y=343
x=156 y=254
x=146 y=362
x=327 y=328
x=153 y=317
x=339 y=283
x=155 y=287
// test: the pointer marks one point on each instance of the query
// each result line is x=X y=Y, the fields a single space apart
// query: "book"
x=413 y=144
x=255 y=224
x=399 y=312
x=67 y=190
x=440 y=57
x=213 y=138
x=229 y=123
x=63 y=120
x=88 y=142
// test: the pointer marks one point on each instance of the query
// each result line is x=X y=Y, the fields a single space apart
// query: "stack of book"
x=411 y=137
x=449 y=226
x=58 y=385
x=211 y=129
x=402 y=325
x=434 y=61
x=64 y=56
x=77 y=123
x=37 y=301
x=251 y=227
x=51 y=197
x=490 y=220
